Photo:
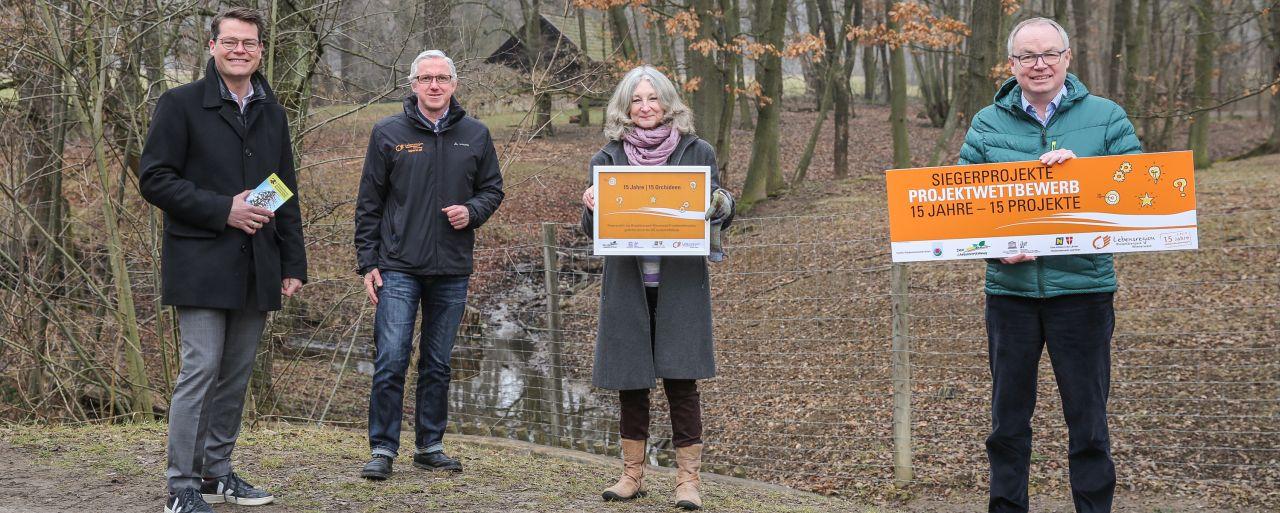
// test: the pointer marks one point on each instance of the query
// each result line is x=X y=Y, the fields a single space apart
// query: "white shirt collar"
x=1052 y=108
x=243 y=101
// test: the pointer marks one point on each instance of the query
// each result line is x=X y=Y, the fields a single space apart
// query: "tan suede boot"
x=688 y=484
x=631 y=484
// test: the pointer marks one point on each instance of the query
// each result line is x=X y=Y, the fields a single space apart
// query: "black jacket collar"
x=215 y=92
x=456 y=113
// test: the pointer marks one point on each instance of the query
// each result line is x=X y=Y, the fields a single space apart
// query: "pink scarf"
x=650 y=146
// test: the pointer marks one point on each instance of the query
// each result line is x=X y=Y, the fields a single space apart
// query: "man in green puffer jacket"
x=1043 y=113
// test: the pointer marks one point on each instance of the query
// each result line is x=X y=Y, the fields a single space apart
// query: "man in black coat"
x=430 y=179
x=225 y=262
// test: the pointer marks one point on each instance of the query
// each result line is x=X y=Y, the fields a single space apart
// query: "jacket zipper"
x=1040 y=275
x=1044 y=143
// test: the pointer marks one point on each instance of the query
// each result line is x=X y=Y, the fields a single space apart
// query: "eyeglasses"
x=427 y=79
x=230 y=44
x=1050 y=58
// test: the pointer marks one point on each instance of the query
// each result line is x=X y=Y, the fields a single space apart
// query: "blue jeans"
x=443 y=300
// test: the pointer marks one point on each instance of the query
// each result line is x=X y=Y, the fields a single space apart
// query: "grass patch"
x=316 y=469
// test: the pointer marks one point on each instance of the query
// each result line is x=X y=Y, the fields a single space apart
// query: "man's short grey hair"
x=617 y=117
x=1066 y=42
x=431 y=54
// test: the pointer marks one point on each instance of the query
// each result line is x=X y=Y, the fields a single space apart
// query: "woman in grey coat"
x=655 y=312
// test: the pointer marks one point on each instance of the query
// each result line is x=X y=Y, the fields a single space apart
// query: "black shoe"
x=186 y=500
x=233 y=490
x=436 y=461
x=377 y=469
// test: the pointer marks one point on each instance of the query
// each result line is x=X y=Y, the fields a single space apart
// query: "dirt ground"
x=120 y=468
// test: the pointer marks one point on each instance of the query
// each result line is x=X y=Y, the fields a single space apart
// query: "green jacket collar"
x=1009 y=96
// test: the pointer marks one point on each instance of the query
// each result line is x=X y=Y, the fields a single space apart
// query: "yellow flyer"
x=270 y=194
x=652 y=210
x=1115 y=204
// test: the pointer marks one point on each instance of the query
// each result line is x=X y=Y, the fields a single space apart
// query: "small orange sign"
x=1142 y=202
x=652 y=210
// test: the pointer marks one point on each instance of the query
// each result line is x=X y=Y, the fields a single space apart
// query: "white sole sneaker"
x=241 y=501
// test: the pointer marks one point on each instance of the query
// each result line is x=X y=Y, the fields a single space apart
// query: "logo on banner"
x=610 y=245
x=1136 y=241
x=1101 y=241
x=1176 y=239
x=975 y=248
x=937 y=250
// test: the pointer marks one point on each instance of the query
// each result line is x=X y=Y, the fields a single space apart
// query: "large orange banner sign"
x=652 y=210
x=1123 y=203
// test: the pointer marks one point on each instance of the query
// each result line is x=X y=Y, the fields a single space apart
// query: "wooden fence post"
x=551 y=275
x=902 y=471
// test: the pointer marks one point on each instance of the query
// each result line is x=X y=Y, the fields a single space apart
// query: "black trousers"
x=682 y=396
x=1077 y=328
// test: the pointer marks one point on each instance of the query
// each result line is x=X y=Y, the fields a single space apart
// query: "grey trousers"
x=218 y=349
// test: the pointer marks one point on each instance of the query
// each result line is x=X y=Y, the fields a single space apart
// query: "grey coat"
x=628 y=356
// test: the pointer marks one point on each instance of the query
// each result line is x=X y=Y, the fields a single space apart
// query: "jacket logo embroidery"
x=461 y=144
x=410 y=147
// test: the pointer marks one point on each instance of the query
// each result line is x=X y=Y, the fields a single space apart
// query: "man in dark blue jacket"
x=225 y=261
x=430 y=179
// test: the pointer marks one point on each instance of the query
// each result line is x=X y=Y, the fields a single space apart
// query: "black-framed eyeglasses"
x=1051 y=58
x=229 y=44
x=427 y=79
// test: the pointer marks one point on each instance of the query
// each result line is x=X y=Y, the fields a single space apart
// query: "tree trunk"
x=1116 y=62
x=1147 y=126
x=833 y=94
x=1136 y=59
x=764 y=178
x=824 y=105
x=815 y=72
x=293 y=54
x=1080 y=48
x=584 y=105
x=1273 y=142
x=884 y=72
x=898 y=97
x=1206 y=45
x=869 y=77
x=745 y=120
x=730 y=64
x=620 y=30
x=708 y=99
x=140 y=401
x=1060 y=13
x=984 y=54
x=42 y=134
x=432 y=20
x=539 y=70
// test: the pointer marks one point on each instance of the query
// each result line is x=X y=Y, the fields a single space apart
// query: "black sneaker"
x=378 y=468
x=436 y=461
x=231 y=489
x=186 y=500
